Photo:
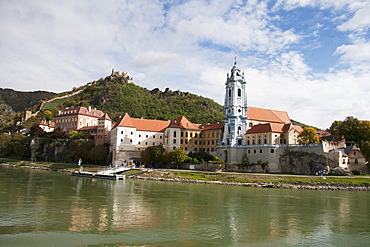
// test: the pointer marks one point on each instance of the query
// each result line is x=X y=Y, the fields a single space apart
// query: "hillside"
x=19 y=101
x=117 y=95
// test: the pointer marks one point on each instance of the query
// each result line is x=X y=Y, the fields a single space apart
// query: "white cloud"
x=355 y=54
x=57 y=45
x=361 y=19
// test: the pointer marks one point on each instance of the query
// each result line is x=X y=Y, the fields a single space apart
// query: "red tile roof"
x=105 y=117
x=273 y=127
x=184 y=123
x=142 y=124
x=212 y=126
x=82 y=111
x=267 y=115
x=45 y=123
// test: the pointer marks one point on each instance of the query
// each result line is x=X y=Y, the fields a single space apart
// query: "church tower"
x=235 y=108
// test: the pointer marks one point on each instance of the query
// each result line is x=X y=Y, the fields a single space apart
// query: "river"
x=45 y=208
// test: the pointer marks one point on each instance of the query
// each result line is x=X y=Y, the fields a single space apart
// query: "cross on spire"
x=235 y=59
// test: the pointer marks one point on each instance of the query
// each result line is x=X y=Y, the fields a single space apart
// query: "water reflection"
x=39 y=201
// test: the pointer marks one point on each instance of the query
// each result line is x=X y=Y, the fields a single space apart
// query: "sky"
x=310 y=58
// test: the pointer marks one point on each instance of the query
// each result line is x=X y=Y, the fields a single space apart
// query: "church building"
x=249 y=132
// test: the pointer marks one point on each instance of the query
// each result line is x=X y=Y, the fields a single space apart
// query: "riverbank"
x=356 y=183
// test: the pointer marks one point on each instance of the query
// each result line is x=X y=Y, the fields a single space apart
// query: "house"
x=95 y=122
x=47 y=126
x=273 y=134
x=77 y=118
x=130 y=136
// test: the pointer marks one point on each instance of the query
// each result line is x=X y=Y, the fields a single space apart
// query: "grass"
x=261 y=178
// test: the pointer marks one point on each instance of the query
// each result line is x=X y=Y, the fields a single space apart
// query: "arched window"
x=239 y=92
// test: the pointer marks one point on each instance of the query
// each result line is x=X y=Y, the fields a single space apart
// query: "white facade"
x=235 y=109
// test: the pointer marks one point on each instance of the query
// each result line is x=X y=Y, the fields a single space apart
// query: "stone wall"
x=299 y=162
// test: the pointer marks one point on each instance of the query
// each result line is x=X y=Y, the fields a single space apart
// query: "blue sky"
x=310 y=58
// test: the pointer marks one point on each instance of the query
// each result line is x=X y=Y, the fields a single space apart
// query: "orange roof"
x=142 y=124
x=267 y=115
x=184 y=123
x=105 y=117
x=212 y=126
x=273 y=127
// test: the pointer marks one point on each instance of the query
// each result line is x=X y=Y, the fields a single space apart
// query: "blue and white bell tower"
x=235 y=108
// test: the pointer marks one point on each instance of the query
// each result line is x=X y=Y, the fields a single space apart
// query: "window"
x=272 y=151
x=174 y=140
x=229 y=93
x=250 y=125
x=260 y=151
x=255 y=151
x=174 y=134
x=239 y=92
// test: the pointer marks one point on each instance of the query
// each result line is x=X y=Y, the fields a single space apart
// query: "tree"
x=58 y=133
x=350 y=129
x=5 y=148
x=307 y=136
x=98 y=153
x=36 y=131
x=152 y=154
x=167 y=156
x=179 y=155
x=365 y=149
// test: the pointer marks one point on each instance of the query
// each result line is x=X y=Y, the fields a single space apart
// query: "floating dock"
x=110 y=173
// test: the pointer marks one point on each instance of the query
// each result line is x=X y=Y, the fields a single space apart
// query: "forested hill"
x=19 y=101
x=117 y=95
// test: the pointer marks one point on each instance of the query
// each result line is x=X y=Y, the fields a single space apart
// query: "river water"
x=44 y=208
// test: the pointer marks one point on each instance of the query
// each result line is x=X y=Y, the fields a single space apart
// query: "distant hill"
x=117 y=95
x=19 y=101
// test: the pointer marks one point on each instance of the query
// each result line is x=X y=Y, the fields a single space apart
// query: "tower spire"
x=235 y=59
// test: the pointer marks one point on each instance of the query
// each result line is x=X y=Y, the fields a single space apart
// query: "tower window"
x=229 y=93
x=239 y=92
